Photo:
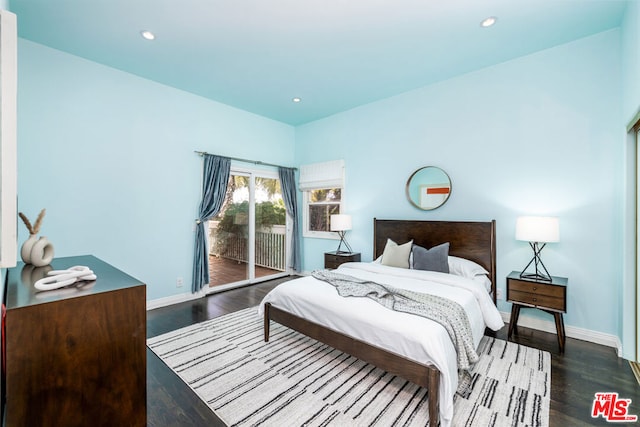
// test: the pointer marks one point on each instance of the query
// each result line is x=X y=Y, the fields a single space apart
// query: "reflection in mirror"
x=428 y=188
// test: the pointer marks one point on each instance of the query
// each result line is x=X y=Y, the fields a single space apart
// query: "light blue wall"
x=631 y=60
x=111 y=158
x=536 y=135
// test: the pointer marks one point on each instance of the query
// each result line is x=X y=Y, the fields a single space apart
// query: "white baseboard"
x=571 y=331
x=173 y=299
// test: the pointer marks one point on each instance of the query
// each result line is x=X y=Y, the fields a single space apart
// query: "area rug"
x=294 y=380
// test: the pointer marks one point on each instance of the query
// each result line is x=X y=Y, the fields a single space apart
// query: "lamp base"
x=535 y=276
x=342 y=240
x=541 y=273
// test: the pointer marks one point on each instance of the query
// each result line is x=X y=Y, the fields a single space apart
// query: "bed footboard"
x=423 y=375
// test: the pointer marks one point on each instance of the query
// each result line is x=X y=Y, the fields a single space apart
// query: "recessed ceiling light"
x=296 y=99
x=148 y=35
x=488 y=22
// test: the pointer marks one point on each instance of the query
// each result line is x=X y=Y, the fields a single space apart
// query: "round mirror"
x=428 y=188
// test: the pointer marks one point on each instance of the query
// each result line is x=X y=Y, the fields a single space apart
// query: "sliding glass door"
x=270 y=221
x=247 y=240
x=229 y=235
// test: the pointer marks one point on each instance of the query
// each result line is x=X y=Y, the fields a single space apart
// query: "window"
x=322 y=186
x=322 y=204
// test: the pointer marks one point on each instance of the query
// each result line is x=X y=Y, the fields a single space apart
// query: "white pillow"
x=465 y=268
x=395 y=255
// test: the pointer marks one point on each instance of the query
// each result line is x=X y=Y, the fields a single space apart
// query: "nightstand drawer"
x=537 y=300
x=334 y=260
x=537 y=288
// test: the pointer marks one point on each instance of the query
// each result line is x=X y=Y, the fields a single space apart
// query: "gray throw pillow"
x=434 y=259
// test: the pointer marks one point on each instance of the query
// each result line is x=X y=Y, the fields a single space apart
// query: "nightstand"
x=334 y=259
x=547 y=296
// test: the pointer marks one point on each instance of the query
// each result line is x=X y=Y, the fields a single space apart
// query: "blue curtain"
x=215 y=179
x=290 y=197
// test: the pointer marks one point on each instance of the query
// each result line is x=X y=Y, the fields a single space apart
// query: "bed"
x=357 y=327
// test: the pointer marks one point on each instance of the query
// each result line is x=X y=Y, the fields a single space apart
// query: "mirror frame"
x=416 y=203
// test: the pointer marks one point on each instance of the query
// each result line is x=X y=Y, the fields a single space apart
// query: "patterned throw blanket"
x=447 y=313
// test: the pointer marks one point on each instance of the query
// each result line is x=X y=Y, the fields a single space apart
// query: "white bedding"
x=410 y=336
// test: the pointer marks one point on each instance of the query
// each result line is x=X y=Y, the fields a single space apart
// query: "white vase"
x=25 y=250
x=42 y=252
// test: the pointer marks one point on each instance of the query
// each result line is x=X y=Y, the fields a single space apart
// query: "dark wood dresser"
x=75 y=356
x=334 y=259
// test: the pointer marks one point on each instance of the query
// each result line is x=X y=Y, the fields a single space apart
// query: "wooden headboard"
x=475 y=241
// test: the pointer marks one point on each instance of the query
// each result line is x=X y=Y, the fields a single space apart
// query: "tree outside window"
x=322 y=203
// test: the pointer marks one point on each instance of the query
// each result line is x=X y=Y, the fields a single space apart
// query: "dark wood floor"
x=579 y=373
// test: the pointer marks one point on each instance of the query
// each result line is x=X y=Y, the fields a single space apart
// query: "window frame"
x=306 y=232
x=320 y=176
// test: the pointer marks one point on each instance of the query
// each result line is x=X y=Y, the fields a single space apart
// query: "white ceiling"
x=334 y=54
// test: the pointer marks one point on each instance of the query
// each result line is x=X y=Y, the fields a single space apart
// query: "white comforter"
x=408 y=335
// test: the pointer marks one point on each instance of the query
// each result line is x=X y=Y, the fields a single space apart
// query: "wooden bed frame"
x=471 y=240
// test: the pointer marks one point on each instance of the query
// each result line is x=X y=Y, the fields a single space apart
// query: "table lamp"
x=341 y=223
x=538 y=231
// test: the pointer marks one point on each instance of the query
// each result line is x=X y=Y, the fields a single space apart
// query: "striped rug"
x=294 y=380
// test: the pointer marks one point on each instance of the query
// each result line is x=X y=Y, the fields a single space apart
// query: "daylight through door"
x=247 y=239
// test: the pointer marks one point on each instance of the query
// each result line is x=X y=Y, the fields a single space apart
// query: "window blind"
x=322 y=175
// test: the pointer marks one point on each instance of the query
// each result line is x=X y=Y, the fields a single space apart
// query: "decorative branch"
x=36 y=226
x=26 y=222
x=32 y=229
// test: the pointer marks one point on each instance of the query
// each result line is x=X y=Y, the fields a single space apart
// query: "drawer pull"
x=535 y=289
x=535 y=299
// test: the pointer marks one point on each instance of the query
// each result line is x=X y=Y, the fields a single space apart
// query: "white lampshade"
x=340 y=222
x=542 y=229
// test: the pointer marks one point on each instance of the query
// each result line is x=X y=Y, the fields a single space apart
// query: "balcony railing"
x=270 y=248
